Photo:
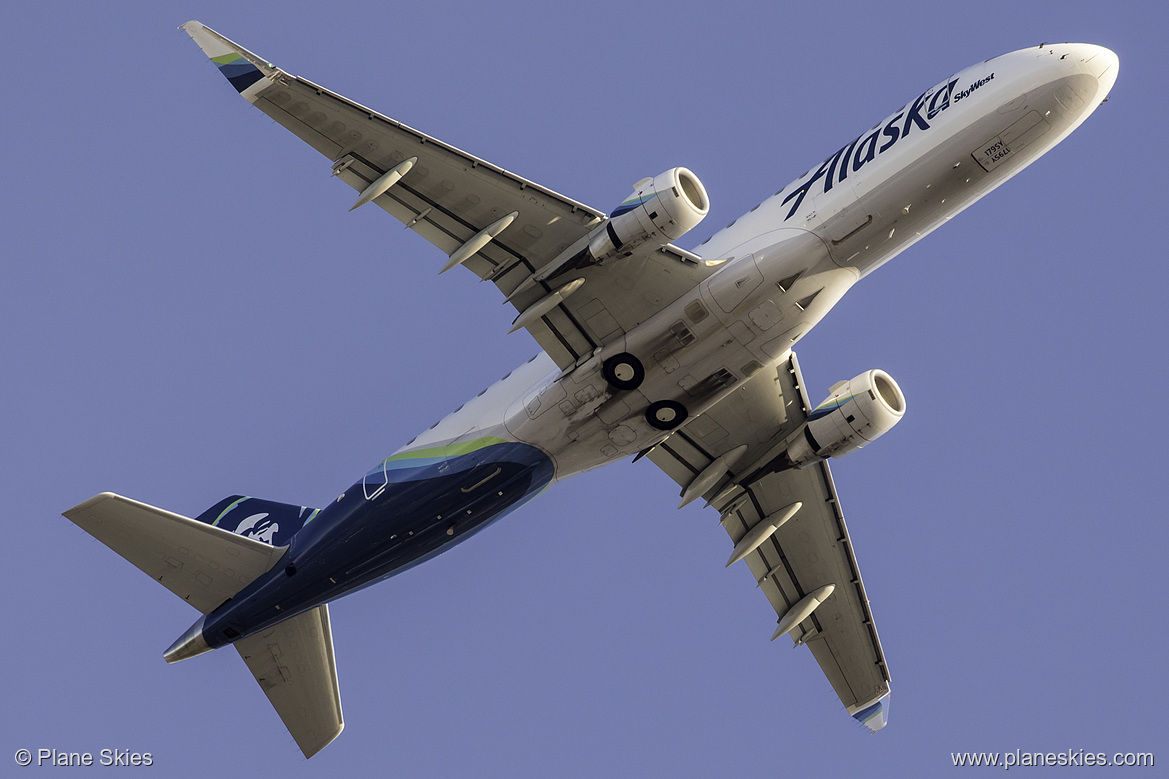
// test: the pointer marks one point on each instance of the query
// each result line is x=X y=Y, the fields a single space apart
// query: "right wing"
x=293 y=662
x=449 y=197
x=810 y=550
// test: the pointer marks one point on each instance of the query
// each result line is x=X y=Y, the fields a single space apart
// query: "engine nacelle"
x=660 y=210
x=855 y=413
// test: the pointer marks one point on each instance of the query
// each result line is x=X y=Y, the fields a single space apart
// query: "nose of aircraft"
x=1100 y=62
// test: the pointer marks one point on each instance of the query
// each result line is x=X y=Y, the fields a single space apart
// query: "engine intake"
x=855 y=413
x=660 y=210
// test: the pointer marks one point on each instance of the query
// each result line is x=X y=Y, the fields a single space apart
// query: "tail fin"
x=263 y=520
x=202 y=564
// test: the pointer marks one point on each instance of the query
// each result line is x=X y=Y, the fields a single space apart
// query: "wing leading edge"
x=462 y=205
x=810 y=551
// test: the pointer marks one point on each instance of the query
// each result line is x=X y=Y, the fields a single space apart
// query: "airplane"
x=647 y=350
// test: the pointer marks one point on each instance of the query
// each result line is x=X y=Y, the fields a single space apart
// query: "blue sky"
x=189 y=312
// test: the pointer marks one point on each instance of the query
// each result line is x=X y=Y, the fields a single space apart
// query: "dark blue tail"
x=262 y=520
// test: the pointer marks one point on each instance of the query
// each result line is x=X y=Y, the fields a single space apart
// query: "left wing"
x=809 y=551
x=512 y=227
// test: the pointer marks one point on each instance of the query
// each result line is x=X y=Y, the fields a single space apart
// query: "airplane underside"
x=647 y=350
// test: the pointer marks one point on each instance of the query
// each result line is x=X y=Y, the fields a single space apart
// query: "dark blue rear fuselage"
x=403 y=513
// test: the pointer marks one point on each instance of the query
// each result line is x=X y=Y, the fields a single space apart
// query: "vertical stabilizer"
x=261 y=520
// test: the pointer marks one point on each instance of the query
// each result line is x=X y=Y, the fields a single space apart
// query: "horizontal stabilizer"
x=293 y=662
x=202 y=564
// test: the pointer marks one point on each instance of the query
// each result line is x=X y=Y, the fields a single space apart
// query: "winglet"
x=873 y=715
x=244 y=70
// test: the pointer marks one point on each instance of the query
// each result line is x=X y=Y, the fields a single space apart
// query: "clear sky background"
x=188 y=311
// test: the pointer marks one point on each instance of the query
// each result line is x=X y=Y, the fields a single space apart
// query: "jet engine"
x=855 y=413
x=661 y=209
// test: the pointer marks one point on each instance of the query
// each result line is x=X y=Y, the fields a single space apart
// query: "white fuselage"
x=790 y=259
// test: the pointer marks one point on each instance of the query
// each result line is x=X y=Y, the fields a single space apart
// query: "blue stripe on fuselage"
x=355 y=542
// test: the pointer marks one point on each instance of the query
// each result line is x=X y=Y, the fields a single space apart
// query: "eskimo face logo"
x=915 y=116
x=258 y=527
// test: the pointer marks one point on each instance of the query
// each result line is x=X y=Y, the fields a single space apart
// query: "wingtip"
x=243 y=69
x=875 y=715
x=207 y=38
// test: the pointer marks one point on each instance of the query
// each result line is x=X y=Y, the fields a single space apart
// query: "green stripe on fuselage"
x=447 y=450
